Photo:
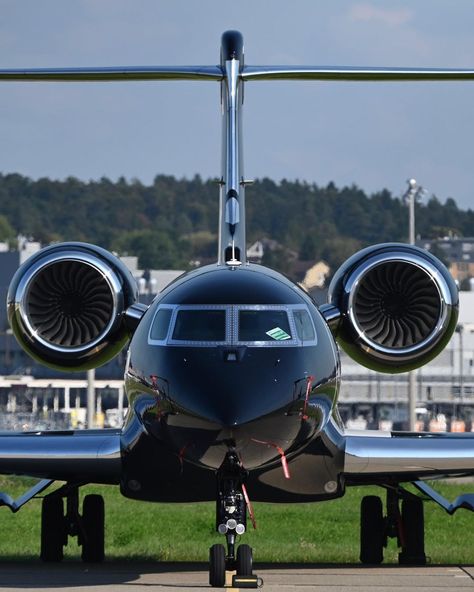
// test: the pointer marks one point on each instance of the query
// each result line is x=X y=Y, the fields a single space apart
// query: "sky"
x=373 y=135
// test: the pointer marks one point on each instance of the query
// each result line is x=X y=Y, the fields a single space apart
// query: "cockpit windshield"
x=200 y=325
x=230 y=325
x=264 y=325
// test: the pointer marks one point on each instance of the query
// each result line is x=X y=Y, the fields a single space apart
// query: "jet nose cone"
x=230 y=411
x=232 y=393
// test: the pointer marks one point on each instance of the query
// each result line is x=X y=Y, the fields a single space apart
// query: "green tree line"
x=173 y=222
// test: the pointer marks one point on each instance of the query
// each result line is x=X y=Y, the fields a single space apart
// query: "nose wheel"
x=217 y=566
x=231 y=521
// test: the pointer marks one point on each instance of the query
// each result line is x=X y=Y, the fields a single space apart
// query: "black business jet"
x=233 y=372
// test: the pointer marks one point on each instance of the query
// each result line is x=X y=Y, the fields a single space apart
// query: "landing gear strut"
x=406 y=526
x=231 y=520
x=57 y=526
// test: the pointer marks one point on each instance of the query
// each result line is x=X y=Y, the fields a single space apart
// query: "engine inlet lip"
x=355 y=278
x=25 y=284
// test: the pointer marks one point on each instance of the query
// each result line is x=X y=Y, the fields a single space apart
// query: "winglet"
x=15 y=505
x=466 y=500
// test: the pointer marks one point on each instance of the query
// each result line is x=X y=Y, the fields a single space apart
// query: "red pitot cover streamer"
x=249 y=507
x=281 y=452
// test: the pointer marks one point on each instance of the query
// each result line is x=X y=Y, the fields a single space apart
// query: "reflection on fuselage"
x=233 y=358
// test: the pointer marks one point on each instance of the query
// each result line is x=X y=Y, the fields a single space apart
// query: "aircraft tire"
x=372 y=530
x=53 y=534
x=244 y=560
x=413 y=547
x=217 y=566
x=93 y=523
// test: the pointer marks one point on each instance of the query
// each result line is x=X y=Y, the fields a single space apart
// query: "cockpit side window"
x=161 y=323
x=200 y=325
x=263 y=325
x=304 y=325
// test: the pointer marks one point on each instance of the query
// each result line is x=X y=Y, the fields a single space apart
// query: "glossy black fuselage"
x=264 y=401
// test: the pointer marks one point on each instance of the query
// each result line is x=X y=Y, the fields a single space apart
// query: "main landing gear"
x=57 y=526
x=407 y=526
x=231 y=521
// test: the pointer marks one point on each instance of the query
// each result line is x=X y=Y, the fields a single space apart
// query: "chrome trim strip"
x=348 y=73
x=112 y=73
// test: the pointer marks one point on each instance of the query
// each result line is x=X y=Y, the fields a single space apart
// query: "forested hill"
x=174 y=221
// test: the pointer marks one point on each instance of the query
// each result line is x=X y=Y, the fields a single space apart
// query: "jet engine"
x=393 y=307
x=67 y=303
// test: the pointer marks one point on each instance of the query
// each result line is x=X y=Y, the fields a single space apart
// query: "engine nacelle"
x=66 y=305
x=397 y=307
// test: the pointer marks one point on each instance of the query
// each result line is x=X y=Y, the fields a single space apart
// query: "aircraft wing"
x=385 y=457
x=77 y=456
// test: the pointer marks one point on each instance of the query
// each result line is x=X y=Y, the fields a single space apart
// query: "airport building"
x=457 y=254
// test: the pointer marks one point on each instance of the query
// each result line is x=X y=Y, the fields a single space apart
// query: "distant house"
x=257 y=250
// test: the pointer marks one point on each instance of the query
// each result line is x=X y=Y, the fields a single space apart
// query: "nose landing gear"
x=231 y=521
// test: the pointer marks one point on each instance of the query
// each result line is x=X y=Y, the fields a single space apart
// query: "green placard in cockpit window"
x=278 y=334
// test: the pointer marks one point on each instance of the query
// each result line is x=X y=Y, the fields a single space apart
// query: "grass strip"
x=311 y=533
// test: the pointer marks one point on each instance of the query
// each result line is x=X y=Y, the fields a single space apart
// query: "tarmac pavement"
x=171 y=577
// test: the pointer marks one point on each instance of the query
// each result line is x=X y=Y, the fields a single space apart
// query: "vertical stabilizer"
x=232 y=249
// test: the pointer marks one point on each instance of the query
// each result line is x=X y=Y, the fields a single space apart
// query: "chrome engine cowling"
x=67 y=303
x=393 y=307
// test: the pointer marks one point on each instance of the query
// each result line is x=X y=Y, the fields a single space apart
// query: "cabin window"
x=304 y=325
x=264 y=325
x=200 y=325
x=161 y=324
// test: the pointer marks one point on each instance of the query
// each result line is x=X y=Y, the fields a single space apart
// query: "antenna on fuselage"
x=232 y=242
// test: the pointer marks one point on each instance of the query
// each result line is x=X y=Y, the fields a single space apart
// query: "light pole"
x=90 y=398
x=410 y=197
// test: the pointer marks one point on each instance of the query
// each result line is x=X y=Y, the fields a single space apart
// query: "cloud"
x=388 y=16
